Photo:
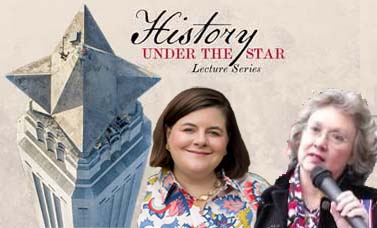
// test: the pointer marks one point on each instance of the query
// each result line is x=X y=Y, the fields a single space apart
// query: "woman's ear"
x=168 y=131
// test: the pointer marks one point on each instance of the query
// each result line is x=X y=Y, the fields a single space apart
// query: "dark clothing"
x=273 y=208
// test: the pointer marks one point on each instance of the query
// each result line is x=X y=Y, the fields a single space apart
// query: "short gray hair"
x=364 y=152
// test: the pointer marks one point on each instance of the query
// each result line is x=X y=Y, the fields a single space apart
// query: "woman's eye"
x=214 y=133
x=315 y=129
x=188 y=130
x=338 y=137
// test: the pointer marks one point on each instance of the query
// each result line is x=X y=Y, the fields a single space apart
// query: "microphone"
x=323 y=180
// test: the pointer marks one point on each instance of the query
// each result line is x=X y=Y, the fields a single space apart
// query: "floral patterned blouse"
x=167 y=204
x=299 y=215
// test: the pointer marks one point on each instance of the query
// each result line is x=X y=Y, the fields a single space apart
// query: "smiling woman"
x=204 y=180
x=197 y=145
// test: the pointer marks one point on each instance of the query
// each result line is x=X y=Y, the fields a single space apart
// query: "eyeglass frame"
x=331 y=135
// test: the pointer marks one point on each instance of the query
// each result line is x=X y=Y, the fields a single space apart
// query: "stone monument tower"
x=84 y=139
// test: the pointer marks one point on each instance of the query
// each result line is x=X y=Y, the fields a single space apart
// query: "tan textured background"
x=328 y=44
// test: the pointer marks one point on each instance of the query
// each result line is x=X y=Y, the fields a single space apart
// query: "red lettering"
x=168 y=53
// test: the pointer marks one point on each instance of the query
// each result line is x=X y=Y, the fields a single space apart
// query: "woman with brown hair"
x=204 y=180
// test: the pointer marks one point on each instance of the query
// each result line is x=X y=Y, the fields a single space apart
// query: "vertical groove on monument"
x=84 y=139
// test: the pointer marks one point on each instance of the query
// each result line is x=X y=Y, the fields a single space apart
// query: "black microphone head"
x=318 y=174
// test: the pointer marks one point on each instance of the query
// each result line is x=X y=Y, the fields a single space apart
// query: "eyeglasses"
x=335 y=137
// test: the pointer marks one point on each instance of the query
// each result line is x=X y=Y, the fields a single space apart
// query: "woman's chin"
x=199 y=170
x=309 y=162
x=309 y=166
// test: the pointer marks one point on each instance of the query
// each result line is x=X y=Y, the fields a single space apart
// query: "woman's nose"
x=200 y=139
x=321 y=141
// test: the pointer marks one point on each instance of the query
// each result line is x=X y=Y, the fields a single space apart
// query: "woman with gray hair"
x=336 y=131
